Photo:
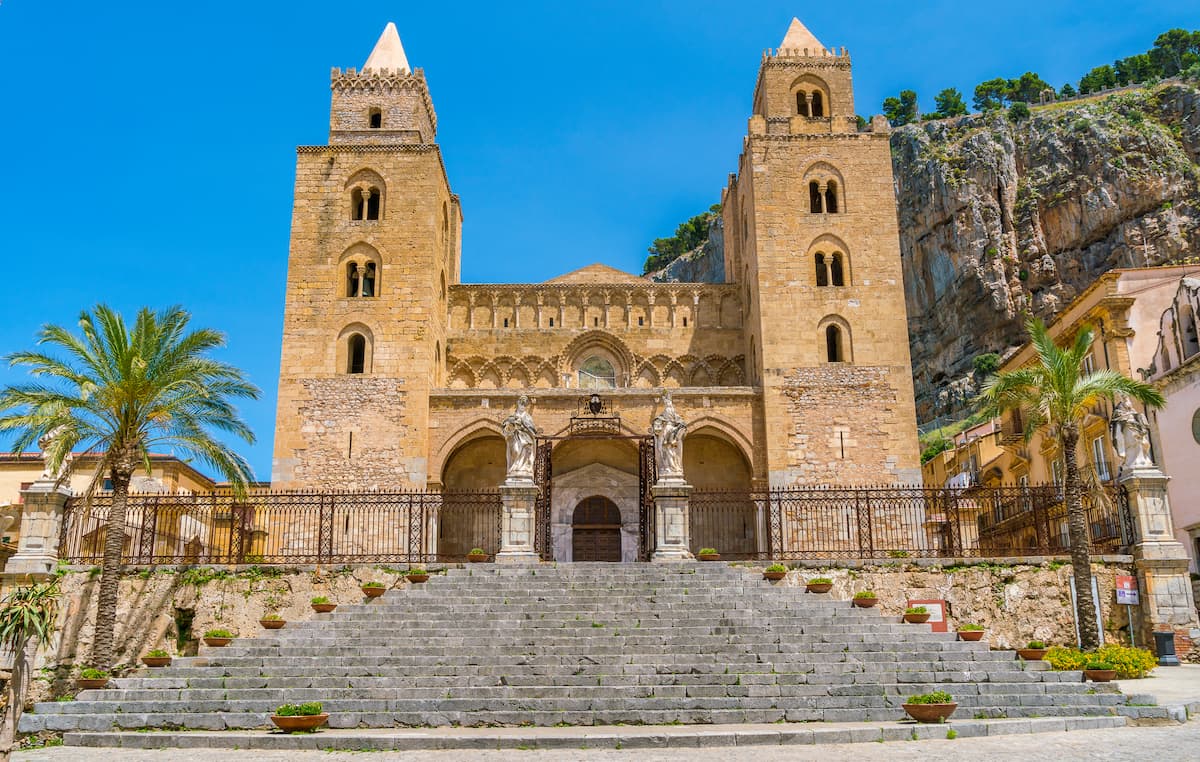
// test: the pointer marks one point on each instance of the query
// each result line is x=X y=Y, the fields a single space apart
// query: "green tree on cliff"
x=903 y=110
x=1174 y=51
x=123 y=392
x=992 y=94
x=949 y=102
x=1054 y=393
x=687 y=236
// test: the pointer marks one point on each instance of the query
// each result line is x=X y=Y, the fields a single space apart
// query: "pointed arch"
x=835 y=339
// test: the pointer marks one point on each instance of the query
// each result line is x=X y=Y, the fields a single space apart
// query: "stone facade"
x=396 y=374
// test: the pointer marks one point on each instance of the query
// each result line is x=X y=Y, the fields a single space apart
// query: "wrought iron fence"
x=288 y=527
x=900 y=522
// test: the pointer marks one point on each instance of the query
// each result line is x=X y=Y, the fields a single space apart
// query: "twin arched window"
x=362 y=279
x=823 y=200
x=810 y=103
x=831 y=269
x=365 y=203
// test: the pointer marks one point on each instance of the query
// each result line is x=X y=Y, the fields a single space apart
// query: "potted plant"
x=373 y=589
x=970 y=632
x=218 y=638
x=156 y=658
x=708 y=554
x=92 y=679
x=321 y=605
x=1033 y=651
x=865 y=599
x=272 y=622
x=775 y=572
x=1099 y=671
x=930 y=707
x=477 y=556
x=299 y=717
x=916 y=615
x=417 y=574
x=819 y=585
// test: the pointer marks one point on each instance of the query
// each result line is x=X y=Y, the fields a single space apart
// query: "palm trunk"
x=18 y=686
x=1081 y=558
x=110 y=574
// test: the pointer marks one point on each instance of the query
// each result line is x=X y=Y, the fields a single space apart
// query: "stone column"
x=672 y=523
x=1161 y=561
x=41 y=524
x=517 y=528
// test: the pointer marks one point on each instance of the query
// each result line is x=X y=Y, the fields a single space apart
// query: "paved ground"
x=1162 y=744
x=1170 y=685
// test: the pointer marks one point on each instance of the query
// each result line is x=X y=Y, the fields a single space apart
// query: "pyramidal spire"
x=388 y=52
x=798 y=38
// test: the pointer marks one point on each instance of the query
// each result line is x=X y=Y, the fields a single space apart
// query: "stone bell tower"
x=812 y=238
x=374 y=247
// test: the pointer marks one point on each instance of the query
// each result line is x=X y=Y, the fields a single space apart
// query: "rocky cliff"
x=703 y=264
x=1001 y=219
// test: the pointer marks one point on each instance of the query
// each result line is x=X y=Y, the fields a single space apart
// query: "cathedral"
x=795 y=371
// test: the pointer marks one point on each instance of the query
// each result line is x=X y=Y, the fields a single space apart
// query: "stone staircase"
x=583 y=644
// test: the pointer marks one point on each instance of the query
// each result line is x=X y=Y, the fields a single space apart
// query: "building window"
x=375 y=118
x=685 y=322
x=361 y=279
x=356 y=354
x=831 y=201
x=836 y=275
x=364 y=204
x=822 y=270
x=595 y=322
x=833 y=344
x=818 y=106
x=551 y=322
x=641 y=320
x=506 y=322
x=1023 y=481
x=597 y=373
x=1089 y=366
x=815 y=204
x=1100 y=459
x=351 y=279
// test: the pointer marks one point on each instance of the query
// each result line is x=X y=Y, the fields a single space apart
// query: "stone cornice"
x=354 y=148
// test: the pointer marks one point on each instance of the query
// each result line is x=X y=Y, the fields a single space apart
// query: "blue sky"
x=149 y=148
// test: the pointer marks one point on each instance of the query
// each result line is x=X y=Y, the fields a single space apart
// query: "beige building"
x=795 y=371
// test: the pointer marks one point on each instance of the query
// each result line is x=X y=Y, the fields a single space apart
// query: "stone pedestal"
x=672 y=523
x=41 y=524
x=517 y=528
x=1161 y=561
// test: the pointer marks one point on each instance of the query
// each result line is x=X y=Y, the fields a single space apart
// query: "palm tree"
x=1054 y=393
x=26 y=619
x=121 y=393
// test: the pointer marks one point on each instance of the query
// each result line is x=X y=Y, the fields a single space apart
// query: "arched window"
x=351 y=279
x=801 y=103
x=833 y=344
x=836 y=276
x=818 y=108
x=375 y=118
x=373 y=204
x=822 y=270
x=361 y=279
x=597 y=373
x=814 y=197
x=831 y=200
x=356 y=204
x=365 y=203
x=356 y=354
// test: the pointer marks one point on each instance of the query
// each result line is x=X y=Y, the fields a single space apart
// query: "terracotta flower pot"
x=91 y=684
x=217 y=642
x=970 y=636
x=477 y=558
x=930 y=712
x=775 y=576
x=916 y=618
x=1032 y=654
x=709 y=556
x=819 y=587
x=1100 y=675
x=373 y=592
x=299 y=724
x=418 y=578
x=156 y=661
x=324 y=608
x=865 y=603
x=272 y=624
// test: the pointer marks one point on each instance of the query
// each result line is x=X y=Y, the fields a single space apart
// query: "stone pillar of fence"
x=1161 y=561
x=672 y=522
x=41 y=524
x=517 y=528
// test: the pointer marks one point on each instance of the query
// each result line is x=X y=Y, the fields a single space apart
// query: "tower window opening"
x=802 y=103
x=818 y=107
x=351 y=279
x=375 y=118
x=373 y=204
x=836 y=276
x=641 y=320
x=357 y=355
x=822 y=270
x=833 y=344
x=814 y=197
x=368 y=282
x=831 y=201
x=595 y=322
x=551 y=322
x=685 y=322
x=506 y=322
x=356 y=204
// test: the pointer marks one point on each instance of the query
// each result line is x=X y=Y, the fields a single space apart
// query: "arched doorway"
x=464 y=522
x=596 y=530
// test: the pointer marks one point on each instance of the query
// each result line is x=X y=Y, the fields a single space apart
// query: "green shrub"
x=157 y=653
x=708 y=551
x=91 y=673
x=1035 y=644
x=1130 y=663
x=916 y=610
x=1018 y=112
x=986 y=364
x=1065 y=659
x=865 y=594
x=1098 y=664
x=971 y=627
x=477 y=552
x=936 y=449
x=777 y=568
x=820 y=581
x=218 y=634
x=307 y=709
x=415 y=570
x=320 y=599
x=372 y=584
x=272 y=618
x=937 y=697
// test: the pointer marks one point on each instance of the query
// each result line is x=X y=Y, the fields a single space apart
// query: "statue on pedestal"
x=520 y=435
x=1131 y=436
x=668 y=430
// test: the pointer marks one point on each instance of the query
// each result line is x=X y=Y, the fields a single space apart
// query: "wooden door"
x=596 y=530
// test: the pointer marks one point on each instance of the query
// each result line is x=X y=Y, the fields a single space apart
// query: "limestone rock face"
x=703 y=264
x=998 y=220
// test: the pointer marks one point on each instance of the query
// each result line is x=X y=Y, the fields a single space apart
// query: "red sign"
x=937 y=613
x=1127 y=591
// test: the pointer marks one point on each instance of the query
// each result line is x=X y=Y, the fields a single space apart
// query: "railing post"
x=866 y=541
x=237 y=541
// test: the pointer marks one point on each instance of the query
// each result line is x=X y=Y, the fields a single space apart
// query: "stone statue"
x=668 y=430
x=46 y=442
x=1131 y=436
x=9 y=514
x=521 y=438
